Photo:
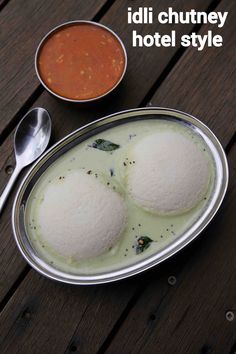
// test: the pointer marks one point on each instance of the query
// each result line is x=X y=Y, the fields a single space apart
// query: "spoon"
x=30 y=141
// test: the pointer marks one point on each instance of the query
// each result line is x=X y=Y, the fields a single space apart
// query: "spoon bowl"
x=32 y=135
x=31 y=138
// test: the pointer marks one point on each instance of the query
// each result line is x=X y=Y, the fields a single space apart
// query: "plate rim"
x=139 y=266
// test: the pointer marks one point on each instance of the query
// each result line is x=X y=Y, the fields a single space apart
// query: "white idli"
x=79 y=217
x=170 y=175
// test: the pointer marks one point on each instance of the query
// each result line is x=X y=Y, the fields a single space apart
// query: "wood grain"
x=203 y=83
x=44 y=326
x=3 y=3
x=23 y=23
x=66 y=117
x=54 y=321
x=17 y=76
x=190 y=318
x=31 y=316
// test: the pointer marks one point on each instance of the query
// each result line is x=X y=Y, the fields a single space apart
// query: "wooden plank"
x=16 y=84
x=203 y=83
x=11 y=260
x=67 y=117
x=47 y=326
x=190 y=317
x=25 y=22
x=30 y=313
x=17 y=77
x=34 y=331
x=3 y=3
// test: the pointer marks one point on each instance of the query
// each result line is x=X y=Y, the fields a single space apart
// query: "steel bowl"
x=217 y=195
x=66 y=24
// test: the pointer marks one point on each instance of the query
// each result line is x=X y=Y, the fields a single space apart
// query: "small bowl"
x=57 y=29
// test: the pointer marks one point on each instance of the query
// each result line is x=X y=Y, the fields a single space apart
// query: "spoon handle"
x=9 y=186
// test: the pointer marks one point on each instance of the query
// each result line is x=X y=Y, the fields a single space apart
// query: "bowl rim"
x=69 y=23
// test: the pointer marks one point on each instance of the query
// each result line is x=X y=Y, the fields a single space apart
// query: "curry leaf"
x=105 y=145
x=143 y=243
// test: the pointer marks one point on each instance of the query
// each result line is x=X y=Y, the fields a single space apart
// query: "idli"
x=170 y=175
x=80 y=217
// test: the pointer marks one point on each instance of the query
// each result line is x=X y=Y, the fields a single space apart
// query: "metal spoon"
x=31 y=139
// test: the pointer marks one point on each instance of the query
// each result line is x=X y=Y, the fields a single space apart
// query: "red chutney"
x=81 y=61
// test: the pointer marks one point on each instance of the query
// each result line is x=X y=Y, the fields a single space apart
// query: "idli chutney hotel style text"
x=144 y=15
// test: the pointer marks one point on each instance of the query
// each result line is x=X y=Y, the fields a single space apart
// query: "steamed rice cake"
x=171 y=173
x=76 y=216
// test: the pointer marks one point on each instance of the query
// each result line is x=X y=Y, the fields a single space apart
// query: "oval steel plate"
x=219 y=189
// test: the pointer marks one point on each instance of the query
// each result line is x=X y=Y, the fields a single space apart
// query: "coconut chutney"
x=107 y=158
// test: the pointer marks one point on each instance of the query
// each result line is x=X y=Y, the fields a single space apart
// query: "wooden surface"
x=148 y=313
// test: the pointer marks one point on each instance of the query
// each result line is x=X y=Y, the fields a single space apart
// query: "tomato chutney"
x=81 y=61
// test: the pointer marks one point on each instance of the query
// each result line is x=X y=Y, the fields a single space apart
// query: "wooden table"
x=188 y=303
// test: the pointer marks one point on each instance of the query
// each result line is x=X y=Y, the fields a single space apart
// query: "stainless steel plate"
x=218 y=192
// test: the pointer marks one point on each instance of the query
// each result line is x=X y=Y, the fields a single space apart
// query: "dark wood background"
x=188 y=303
